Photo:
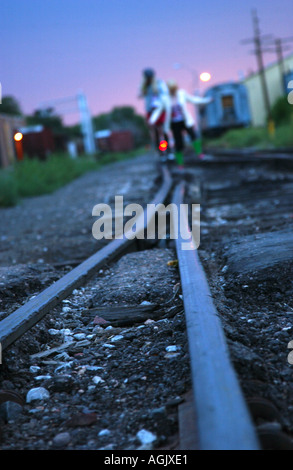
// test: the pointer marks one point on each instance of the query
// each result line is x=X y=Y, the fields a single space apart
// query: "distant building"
x=114 y=141
x=277 y=87
x=38 y=141
x=8 y=126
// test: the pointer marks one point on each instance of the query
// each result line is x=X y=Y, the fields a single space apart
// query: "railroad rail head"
x=223 y=420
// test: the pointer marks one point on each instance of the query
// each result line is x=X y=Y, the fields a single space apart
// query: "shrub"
x=282 y=111
x=8 y=189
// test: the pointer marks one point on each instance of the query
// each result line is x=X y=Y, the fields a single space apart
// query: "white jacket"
x=182 y=99
x=159 y=102
x=163 y=106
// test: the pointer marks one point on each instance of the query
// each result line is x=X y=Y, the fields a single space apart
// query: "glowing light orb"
x=205 y=76
x=18 y=137
x=163 y=145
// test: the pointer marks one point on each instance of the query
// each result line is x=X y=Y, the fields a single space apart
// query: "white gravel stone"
x=97 y=380
x=104 y=432
x=94 y=368
x=66 y=332
x=172 y=348
x=39 y=393
x=43 y=377
x=116 y=338
x=53 y=332
x=66 y=309
x=146 y=437
x=171 y=355
x=79 y=336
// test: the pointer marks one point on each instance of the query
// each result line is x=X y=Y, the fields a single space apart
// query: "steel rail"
x=26 y=316
x=223 y=421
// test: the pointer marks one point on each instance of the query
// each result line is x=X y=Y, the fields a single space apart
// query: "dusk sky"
x=53 y=48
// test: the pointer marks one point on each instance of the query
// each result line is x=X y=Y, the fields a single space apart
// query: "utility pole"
x=80 y=105
x=279 y=46
x=86 y=123
x=258 y=51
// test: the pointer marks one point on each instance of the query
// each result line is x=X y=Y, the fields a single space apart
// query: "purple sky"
x=53 y=48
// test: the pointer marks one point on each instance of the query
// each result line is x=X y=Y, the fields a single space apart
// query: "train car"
x=38 y=141
x=229 y=109
x=114 y=141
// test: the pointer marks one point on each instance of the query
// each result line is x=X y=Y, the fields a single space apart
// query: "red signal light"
x=163 y=145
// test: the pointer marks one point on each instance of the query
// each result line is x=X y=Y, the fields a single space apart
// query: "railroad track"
x=222 y=420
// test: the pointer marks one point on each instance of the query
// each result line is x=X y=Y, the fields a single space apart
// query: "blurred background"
x=70 y=72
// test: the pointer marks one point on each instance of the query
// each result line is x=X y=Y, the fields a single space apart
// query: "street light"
x=205 y=76
x=18 y=145
x=178 y=66
x=18 y=136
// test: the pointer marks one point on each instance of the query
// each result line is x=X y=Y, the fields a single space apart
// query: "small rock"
x=61 y=440
x=97 y=380
x=100 y=321
x=79 y=336
x=146 y=437
x=61 y=383
x=66 y=309
x=39 y=393
x=172 y=348
x=66 y=331
x=53 y=332
x=104 y=432
x=116 y=338
x=94 y=368
x=145 y=302
x=171 y=355
x=43 y=377
x=34 y=369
